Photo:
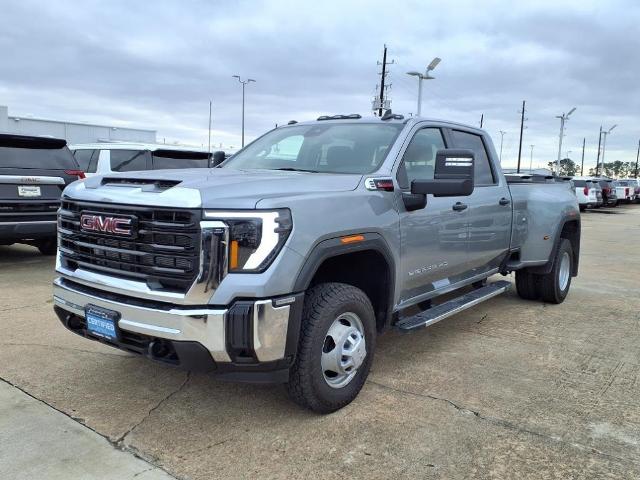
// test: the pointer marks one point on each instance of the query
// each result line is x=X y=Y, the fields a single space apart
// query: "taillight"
x=77 y=173
x=586 y=191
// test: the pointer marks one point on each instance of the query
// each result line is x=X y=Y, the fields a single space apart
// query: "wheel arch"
x=366 y=264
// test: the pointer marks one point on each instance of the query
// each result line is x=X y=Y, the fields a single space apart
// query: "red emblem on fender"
x=103 y=224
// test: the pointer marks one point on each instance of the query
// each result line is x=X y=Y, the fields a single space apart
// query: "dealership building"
x=73 y=132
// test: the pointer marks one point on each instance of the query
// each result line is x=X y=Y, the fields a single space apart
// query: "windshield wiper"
x=292 y=169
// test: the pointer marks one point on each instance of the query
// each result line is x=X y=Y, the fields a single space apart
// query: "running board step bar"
x=440 y=312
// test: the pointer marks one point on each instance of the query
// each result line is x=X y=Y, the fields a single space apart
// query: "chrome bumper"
x=207 y=326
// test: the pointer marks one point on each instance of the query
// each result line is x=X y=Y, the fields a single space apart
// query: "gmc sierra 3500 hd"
x=284 y=263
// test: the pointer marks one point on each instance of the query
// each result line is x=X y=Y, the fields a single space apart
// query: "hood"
x=207 y=188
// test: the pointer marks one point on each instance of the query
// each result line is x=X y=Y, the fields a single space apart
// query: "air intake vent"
x=141 y=182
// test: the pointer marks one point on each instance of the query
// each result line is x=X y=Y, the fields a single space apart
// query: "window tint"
x=128 y=160
x=420 y=157
x=84 y=158
x=54 y=158
x=579 y=183
x=482 y=167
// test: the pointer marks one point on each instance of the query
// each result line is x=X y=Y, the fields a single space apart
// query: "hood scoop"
x=146 y=184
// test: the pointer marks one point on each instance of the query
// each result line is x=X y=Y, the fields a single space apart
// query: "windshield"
x=331 y=148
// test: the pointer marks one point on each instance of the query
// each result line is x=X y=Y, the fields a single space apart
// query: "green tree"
x=568 y=167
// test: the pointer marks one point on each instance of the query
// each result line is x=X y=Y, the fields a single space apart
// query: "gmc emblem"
x=90 y=222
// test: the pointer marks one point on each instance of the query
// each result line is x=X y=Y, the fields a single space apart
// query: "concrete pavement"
x=509 y=389
x=38 y=442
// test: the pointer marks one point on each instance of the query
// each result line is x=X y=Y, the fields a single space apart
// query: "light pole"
x=243 y=82
x=604 y=143
x=531 y=160
x=424 y=76
x=563 y=118
x=502 y=132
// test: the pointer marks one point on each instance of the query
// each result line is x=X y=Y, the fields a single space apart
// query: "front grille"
x=165 y=253
x=28 y=211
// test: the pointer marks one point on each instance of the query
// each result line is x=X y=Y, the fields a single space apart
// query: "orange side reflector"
x=352 y=239
x=233 y=260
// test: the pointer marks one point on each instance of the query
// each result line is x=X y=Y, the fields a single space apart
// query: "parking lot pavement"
x=509 y=389
x=38 y=442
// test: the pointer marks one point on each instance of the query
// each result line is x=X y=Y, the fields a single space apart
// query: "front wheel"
x=48 y=246
x=335 y=350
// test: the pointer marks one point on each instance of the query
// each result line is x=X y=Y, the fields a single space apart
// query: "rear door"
x=490 y=211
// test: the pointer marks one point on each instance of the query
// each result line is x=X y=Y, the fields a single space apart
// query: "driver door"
x=433 y=239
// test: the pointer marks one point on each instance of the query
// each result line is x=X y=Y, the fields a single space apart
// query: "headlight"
x=255 y=237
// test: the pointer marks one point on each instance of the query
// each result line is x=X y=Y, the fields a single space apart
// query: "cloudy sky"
x=157 y=64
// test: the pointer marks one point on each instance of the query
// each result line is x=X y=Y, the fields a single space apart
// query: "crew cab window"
x=482 y=167
x=419 y=158
x=128 y=160
x=87 y=159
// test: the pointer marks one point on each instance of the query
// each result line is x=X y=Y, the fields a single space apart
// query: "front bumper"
x=16 y=231
x=246 y=338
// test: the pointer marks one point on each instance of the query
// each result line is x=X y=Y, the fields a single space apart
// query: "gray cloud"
x=157 y=64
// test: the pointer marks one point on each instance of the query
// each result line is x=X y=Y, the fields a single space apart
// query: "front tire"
x=335 y=349
x=48 y=246
x=555 y=285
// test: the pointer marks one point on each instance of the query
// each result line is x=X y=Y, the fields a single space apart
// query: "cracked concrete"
x=509 y=389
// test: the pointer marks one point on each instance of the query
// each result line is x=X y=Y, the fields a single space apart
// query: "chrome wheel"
x=564 y=272
x=344 y=350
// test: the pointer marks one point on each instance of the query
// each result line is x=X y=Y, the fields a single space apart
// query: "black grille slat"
x=166 y=250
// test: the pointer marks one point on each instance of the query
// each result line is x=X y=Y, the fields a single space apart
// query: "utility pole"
x=383 y=78
x=481 y=120
x=563 y=118
x=209 y=144
x=243 y=82
x=598 y=157
x=502 y=132
x=584 y=141
x=521 y=130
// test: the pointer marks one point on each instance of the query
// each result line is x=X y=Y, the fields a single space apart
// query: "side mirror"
x=453 y=175
x=217 y=158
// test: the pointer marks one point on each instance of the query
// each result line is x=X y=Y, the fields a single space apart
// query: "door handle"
x=459 y=206
x=504 y=201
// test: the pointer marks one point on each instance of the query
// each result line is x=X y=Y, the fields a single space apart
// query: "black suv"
x=33 y=173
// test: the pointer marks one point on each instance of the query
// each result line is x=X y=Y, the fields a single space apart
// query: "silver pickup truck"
x=285 y=262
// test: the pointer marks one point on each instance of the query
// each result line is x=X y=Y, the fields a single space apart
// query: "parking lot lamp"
x=563 y=118
x=243 y=82
x=604 y=143
x=424 y=76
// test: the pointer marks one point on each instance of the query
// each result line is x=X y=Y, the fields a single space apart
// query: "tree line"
x=615 y=169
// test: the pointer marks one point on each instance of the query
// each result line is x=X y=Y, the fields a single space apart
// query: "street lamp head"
x=250 y=80
x=415 y=74
x=434 y=63
x=237 y=76
x=571 y=111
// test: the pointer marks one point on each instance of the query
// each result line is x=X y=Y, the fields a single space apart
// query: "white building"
x=73 y=132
